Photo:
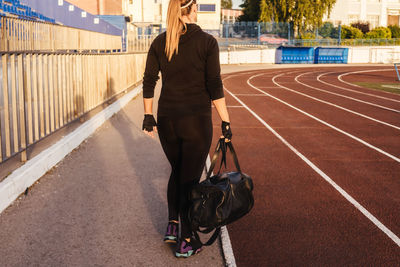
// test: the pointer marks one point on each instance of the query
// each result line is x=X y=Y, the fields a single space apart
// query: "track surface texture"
x=324 y=155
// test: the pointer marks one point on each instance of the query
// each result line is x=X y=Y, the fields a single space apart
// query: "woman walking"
x=188 y=59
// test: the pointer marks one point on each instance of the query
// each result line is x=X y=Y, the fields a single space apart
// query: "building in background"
x=115 y=12
x=101 y=7
x=146 y=14
x=230 y=15
x=134 y=17
x=68 y=14
x=376 y=12
x=209 y=15
x=149 y=16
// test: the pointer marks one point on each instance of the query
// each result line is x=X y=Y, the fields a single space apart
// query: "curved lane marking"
x=345 y=96
x=349 y=198
x=340 y=78
x=354 y=91
x=321 y=121
x=334 y=105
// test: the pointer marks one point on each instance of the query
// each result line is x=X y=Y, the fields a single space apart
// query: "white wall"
x=254 y=56
x=377 y=54
x=357 y=55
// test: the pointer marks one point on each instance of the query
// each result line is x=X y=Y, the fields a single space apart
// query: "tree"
x=349 y=32
x=251 y=10
x=395 y=31
x=265 y=12
x=379 y=33
x=326 y=29
x=302 y=14
x=363 y=26
x=226 y=4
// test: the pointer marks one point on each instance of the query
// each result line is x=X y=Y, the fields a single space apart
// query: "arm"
x=214 y=82
x=220 y=105
x=215 y=87
x=148 y=105
x=150 y=79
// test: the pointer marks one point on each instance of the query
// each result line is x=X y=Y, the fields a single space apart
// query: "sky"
x=236 y=3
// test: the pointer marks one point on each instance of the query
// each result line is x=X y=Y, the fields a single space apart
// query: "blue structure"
x=295 y=55
x=309 y=55
x=70 y=15
x=331 y=55
x=17 y=9
x=50 y=11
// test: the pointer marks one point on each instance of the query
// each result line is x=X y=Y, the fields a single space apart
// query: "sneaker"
x=171 y=236
x=186 y=249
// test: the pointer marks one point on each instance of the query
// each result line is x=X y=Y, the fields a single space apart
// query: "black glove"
x=226 y=130
x=149 y=122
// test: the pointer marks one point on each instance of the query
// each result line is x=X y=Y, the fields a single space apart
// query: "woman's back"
x=192 y=76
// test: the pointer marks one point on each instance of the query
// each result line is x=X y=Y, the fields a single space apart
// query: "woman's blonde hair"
x=175 y=25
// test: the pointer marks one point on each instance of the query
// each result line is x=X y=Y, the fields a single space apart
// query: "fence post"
x=258 y=33
x=226 y=34
x=340 y=35
x=289 y=33
x=21 y=93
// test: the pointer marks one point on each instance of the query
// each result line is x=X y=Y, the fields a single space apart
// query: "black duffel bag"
x=222 y=198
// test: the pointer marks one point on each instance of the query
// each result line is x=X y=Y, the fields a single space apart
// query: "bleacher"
x=13 y=8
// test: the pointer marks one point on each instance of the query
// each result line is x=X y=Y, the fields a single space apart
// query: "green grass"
x=381 y=86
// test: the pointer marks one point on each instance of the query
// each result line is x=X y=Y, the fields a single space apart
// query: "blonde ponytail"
x=175 y=25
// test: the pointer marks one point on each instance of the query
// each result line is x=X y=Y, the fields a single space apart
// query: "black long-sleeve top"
x=190 y=80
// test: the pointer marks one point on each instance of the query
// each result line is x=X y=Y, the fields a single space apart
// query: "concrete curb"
x=229 y=257
x=22 y=178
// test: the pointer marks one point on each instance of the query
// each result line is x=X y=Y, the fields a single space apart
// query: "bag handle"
x=212 y=238
x=221 y=146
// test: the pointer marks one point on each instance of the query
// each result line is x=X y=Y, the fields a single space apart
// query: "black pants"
x=186 y=142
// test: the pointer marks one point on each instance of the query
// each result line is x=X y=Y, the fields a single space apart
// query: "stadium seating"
x=296 y=55
x=14 y=8
x=331 y=55
x=310 y=55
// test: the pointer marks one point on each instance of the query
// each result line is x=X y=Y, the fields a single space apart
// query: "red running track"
x=325 y=163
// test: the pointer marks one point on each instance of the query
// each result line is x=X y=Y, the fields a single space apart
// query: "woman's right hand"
x=149 y=125
x=226 y=131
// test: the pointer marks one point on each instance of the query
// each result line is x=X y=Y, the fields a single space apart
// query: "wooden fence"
x=24 y=35
x=42 y=92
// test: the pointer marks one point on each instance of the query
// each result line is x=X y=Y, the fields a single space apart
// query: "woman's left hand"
x=149 y=125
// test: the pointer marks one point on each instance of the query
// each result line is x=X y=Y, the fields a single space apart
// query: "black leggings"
x=186 y=142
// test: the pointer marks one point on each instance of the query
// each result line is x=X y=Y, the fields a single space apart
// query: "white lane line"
x=350 y=90
x=344 y=96
x=225 y=240
x=391 y=86
x=323 y=122
x=251 y=94
x=349 y=198
x=329 y=103
x=230 y=106
x=340 y=78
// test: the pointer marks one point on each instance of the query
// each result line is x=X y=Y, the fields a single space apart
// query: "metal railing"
x=42 y=92
x=139 y=43
x=345 y=42
x=25 y=35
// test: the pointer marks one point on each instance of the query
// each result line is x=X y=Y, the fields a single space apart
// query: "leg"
x=171 y=146
x=196 y=134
